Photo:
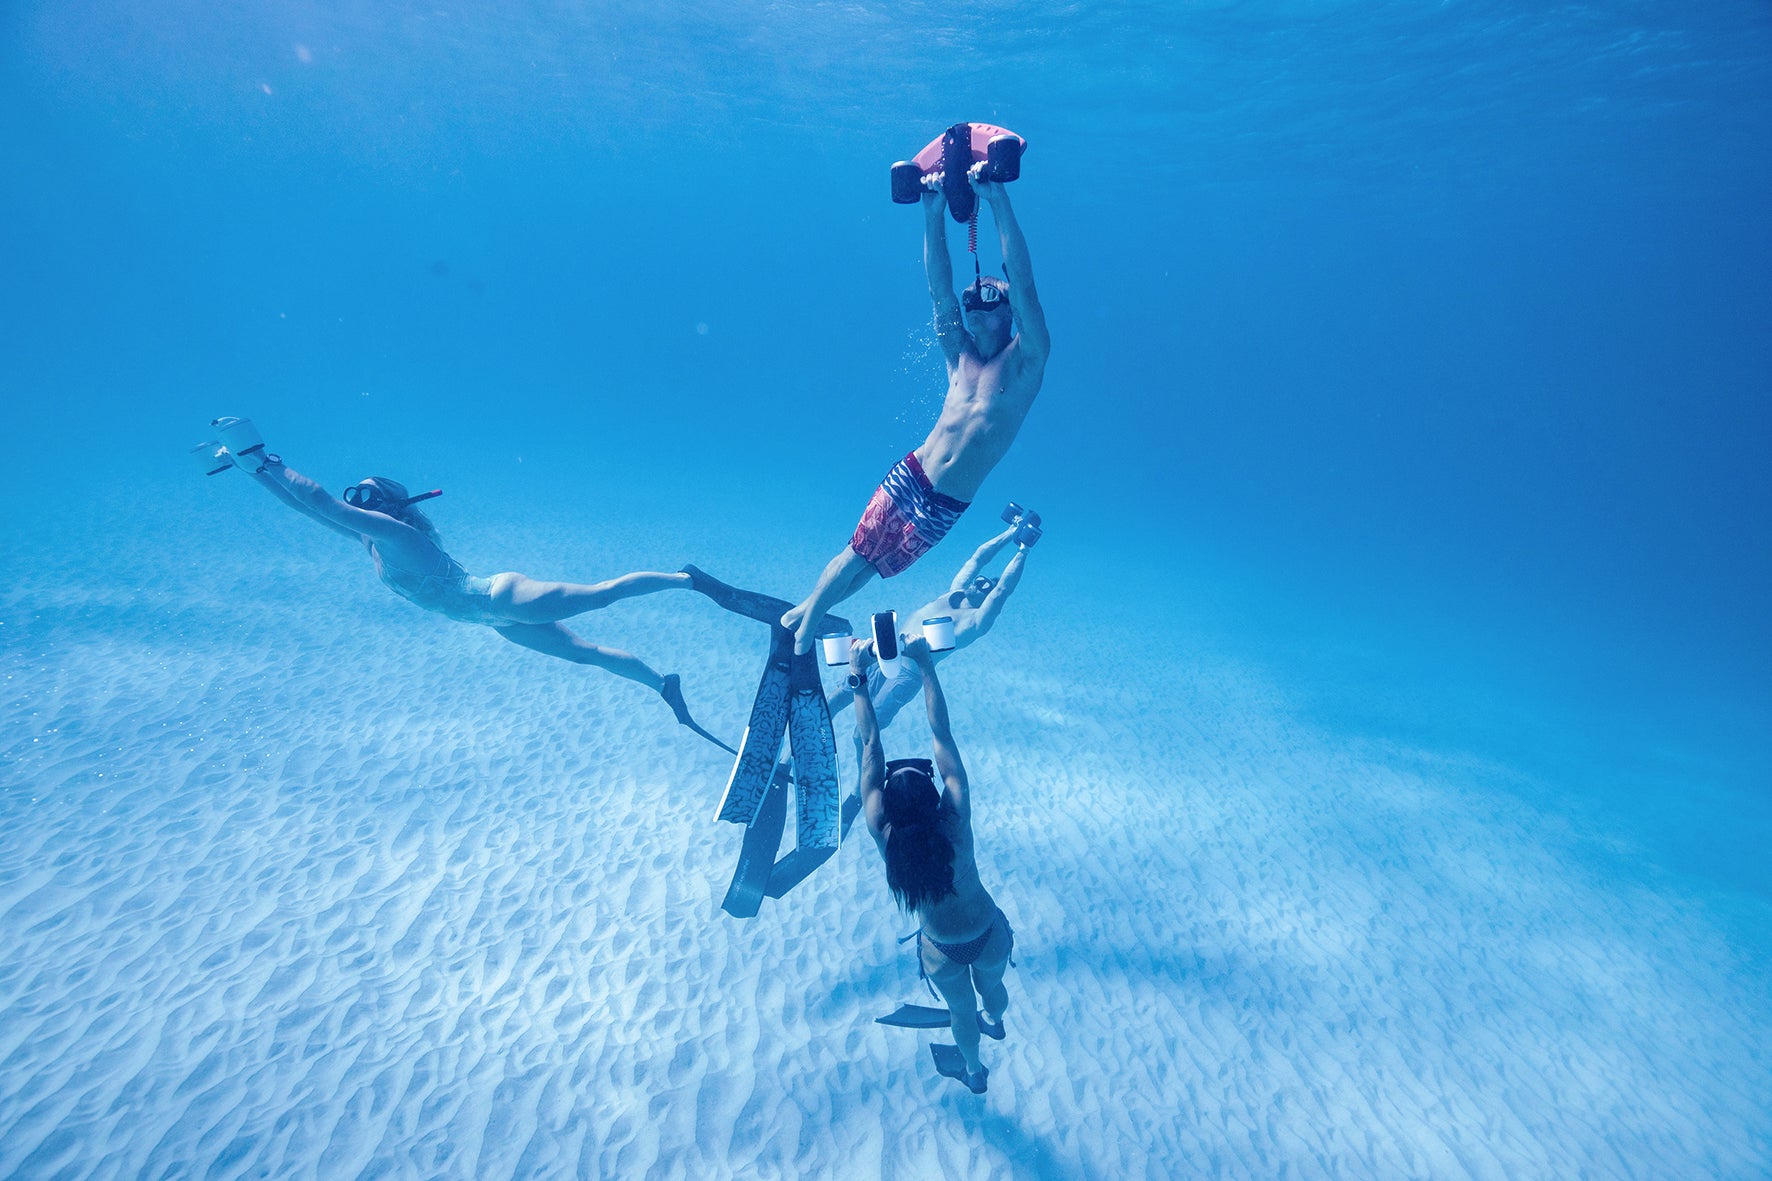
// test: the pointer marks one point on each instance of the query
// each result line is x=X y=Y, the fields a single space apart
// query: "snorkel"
x=379 y=494
x=989 y=317
x=983 y=297
x=371 y=496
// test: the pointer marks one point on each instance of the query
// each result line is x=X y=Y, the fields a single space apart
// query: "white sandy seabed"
x=298 y=881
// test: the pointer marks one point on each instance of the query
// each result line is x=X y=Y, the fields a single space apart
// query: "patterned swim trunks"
x=904 y=520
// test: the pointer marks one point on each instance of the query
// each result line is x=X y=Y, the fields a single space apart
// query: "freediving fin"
x=672 y=692
x=816 y=787
x=950 y=1062
x=930 y=1017
x=851 y=809
x=915 y=1017
x=795 y=868
x=751 y=604
x=814 y=743
x=757 y=751
x=756 y=859
x=754 y=604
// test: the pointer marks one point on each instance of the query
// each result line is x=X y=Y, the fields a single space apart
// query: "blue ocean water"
x=1414 y=355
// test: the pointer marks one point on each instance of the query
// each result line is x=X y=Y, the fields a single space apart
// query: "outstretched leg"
x=553 y=639
x=954 y=982
x=525 y=600
x=987 y=978
x=845 y=574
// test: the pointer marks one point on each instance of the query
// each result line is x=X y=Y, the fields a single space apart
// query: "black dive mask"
x=372 y=497
x=917 y=769
x=983 y=297
x=981 y=587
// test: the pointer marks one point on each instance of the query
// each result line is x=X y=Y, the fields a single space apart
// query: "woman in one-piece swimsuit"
x=411 y=561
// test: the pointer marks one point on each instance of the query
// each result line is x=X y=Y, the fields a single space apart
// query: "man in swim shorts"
x=994 y=372
x=973 y=601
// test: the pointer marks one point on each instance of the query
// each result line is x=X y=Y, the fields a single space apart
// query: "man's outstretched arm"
x=994 y=602
x=1018 y=268
x=940 y=268
x=980 y=558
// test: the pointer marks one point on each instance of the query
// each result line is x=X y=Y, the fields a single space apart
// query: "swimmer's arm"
x=884 y=710
x=873 y=766
x=309 y=497
x=281 y=482
x=980 y=559
x=947 y=755
x=993 y=602
x=1018 y=268
x=937 y=264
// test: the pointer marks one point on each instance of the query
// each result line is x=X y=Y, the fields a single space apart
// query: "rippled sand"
x=298 y=881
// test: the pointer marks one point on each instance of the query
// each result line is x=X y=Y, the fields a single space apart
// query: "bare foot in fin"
x=949 y=1062
x=672 y=692
x=798 y=622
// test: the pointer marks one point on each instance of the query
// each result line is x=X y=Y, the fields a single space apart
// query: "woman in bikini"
x=411 y=561
x=924 y=833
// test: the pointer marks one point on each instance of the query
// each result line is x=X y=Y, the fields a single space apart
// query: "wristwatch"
x=856 y=682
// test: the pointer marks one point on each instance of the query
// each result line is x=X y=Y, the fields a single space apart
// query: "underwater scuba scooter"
x=886 y=642
x=1026 y=522
x=944 y=163
x=938 y=633
x=836 y=647
x=237 y=444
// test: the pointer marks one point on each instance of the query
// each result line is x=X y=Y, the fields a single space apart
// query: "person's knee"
x=844 y=569
x=990 y=984
x=588 y=653
x=610 y=590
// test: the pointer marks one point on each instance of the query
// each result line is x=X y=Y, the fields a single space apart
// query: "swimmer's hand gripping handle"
x=212 y=457
x=242 y=441
x=999 y=161
x=1026 y=522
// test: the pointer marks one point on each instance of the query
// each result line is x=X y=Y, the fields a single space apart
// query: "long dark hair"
x=919 y=856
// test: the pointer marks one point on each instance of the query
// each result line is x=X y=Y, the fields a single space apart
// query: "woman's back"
x=970 y=909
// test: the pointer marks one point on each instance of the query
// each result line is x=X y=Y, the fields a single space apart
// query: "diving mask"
x=372 y=497
x=983 y=297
